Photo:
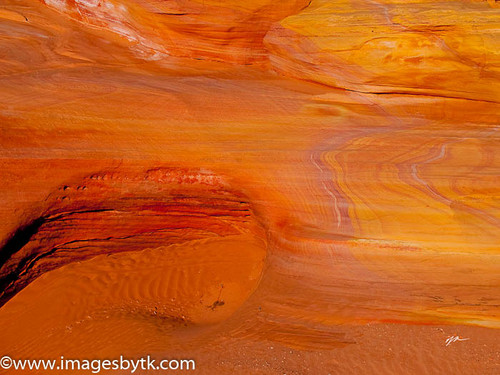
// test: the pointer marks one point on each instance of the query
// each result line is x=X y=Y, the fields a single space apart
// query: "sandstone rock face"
x=116 y=212
x=266 y=187
x=447 y=49
x=218 y=30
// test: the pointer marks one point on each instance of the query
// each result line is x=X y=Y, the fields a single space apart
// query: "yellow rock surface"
x=448 y=48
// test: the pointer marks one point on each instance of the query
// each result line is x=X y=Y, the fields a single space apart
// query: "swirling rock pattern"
x=391 y=46
x=267 y=187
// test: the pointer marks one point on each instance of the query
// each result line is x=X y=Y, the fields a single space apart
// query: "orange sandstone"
x=267 y=187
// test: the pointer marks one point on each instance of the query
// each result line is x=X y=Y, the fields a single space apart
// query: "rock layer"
x=217 y=30
x=114 y=212
x=447 y=49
